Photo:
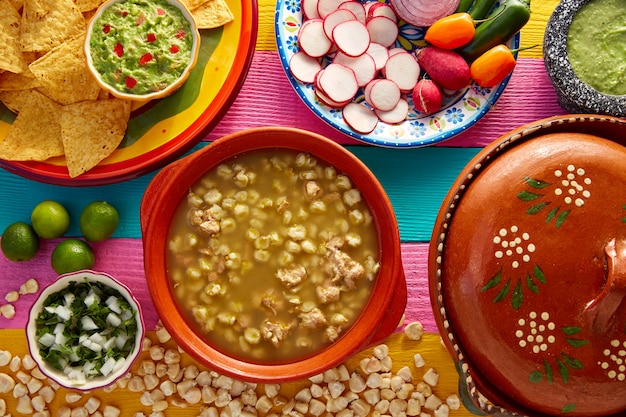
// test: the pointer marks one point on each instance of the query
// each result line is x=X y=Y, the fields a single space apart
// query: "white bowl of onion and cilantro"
x=85 y=330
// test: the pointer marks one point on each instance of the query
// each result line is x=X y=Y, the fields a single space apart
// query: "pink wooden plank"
x=267 y=99
x=123 y=258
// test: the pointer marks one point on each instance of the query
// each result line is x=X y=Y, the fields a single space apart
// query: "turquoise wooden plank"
x=416 y=181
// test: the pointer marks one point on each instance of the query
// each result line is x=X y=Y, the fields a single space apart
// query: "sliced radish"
x=312 y=39
x=338 y=82
x=352 y=38
x=382 y=30
x=396 y=115
x=309 y=8
x=382 y=94
x=324 y=99
x=303 y=67
x=360 y=118
x=403 y=69
x=381 y=9
x=333 y=19
x=326 y=7
x=379 y=53
x=397 y=50
x=363 y=66
x=356 y=8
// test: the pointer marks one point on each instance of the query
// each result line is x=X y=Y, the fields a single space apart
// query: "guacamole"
x=141 y=46
x=596 y=45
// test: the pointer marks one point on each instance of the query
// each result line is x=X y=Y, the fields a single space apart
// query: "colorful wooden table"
x=416 y=180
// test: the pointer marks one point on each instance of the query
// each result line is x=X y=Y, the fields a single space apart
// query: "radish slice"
x=382 y=94
x=379 y=53
x=352 y=37
x=326 y=7
x=403 y=69
x=338 y=82
x=324 y=99
x=363 y=66
x=333 y=19
x=356 y=8
x=422 y=13
x=312 y=39
x=360 y=118
x=396 y=115
x=303 y=67
x=398 y=50
x=309 y=8
x=382 y=9
x=382 y=30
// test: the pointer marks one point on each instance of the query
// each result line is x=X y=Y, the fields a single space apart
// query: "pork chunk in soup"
x=273 y=255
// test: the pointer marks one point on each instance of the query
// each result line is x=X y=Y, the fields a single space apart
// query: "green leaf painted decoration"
x=551 y=215
x=503 y=292
x=561 y=218
x=572 y=362
x=538 y=274
x=536 y=208
x=549 y=372
x=535 y=377
x=492 y=282
x=571 y=330
x=536 y=183
x=562 y=370
x=518 y=295
x=528 y=196
x=531 y=284
x=568 y=408
x=577 y=342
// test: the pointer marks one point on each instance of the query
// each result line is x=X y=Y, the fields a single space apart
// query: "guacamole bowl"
x=78 y=318
x=583 y=59
x=142 y=49
x=248 y=286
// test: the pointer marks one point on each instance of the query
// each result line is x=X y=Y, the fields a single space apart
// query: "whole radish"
x=445 y=67
x=427 y=96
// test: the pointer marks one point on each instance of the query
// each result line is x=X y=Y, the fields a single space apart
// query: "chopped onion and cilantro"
x=86 y=330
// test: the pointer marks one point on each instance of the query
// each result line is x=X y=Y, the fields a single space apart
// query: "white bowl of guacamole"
x=142 y=49
x=584 y=47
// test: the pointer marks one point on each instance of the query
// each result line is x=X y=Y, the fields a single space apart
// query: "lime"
x=98 y=221
x=50 y=219
x=72 y=255
x=19 y=242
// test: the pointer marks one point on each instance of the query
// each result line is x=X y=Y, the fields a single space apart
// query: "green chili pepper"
x=464 y=6
x=481 y=9
x=504 y=22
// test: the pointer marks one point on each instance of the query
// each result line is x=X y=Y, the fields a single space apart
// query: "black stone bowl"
x=574 y=95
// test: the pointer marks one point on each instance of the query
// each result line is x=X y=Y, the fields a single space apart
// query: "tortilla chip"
x=91 y=131
x=35 y=134
x=11 y=58
x=48 y=23
x=212 y=14
x=12 y=82
x=64 y=74
x=17 y=99
x=88 y=5
x=17 y=4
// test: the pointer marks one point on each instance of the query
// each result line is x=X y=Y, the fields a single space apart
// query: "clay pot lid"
x=528 y=270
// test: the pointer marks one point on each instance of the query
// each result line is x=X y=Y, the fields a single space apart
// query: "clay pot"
x=379 y=318
x=527 y=270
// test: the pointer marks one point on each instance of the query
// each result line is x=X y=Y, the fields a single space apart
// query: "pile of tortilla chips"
x=44 y=79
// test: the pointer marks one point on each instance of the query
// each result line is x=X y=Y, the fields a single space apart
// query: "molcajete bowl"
x=526 y=270
x=211 y=321
x=587 y=76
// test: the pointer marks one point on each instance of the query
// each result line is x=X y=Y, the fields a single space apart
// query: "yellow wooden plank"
x=402 y=351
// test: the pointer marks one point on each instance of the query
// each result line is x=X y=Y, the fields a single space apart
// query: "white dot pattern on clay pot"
x=512 y=244
x=615 y=360
x=536 y=332
x=573 y=186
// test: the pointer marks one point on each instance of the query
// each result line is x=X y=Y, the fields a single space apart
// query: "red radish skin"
x=352 y=37
x=382 y=30
x=360 y=118
x=423 y=13
x=356 y=8
x=403 y=69
x=312 y=39
x=334 y=18
x=445 y=67
x=427 y=96
x=303 y=67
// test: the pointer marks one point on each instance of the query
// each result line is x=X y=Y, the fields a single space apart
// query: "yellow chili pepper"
x=452 y=31
x=493 y=66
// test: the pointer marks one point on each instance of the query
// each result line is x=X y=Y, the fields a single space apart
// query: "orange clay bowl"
x=527 y=270
x=387 y=301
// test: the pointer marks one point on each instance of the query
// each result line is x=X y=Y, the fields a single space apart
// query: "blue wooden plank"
x=416 y=181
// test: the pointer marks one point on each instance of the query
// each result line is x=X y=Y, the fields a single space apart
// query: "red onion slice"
x=423 y=13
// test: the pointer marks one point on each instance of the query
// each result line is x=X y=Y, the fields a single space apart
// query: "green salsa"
x=141 y=46
x=596 y=45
